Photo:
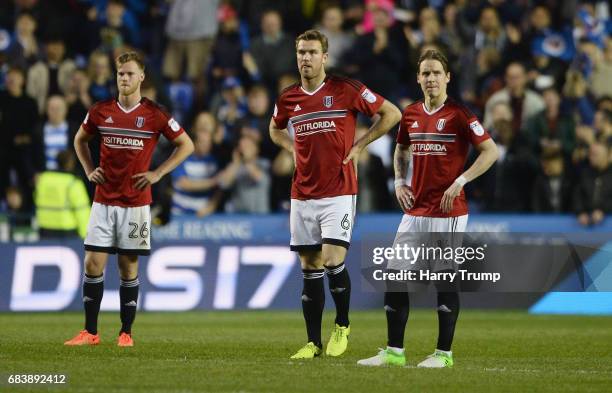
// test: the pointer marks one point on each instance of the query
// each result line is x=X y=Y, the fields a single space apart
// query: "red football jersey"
x=440 y=143
x=127 y=141
x=323 y=127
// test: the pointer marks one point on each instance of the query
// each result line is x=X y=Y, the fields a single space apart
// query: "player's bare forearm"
x=280 y=137
x=488 y=155
x=81 y=147
x=390 y=115
x=401 y=161
x=184 y=147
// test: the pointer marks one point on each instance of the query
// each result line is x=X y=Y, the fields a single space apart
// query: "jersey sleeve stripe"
x=351 y=82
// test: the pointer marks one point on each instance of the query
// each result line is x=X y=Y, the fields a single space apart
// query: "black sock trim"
x=336 y=242
x=306 y=247
x=108 y=250
x=124 y=251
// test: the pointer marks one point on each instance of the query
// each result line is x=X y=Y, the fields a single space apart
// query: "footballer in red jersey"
x=437 y=133
x=315 y=120
x=120 y=220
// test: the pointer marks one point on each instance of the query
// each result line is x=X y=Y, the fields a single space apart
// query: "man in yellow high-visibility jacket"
x=62 y=202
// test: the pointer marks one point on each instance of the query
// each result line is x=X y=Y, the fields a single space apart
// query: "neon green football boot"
x=338 y=341
x=308 y=351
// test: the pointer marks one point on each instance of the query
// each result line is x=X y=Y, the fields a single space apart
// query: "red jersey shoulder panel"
x=91 y=121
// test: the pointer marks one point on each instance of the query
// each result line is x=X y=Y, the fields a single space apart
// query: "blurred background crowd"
x=538 y=74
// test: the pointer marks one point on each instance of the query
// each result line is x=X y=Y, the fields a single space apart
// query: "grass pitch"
x=495 y=351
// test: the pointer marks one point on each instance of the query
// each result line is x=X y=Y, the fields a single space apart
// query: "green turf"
x=494 y=351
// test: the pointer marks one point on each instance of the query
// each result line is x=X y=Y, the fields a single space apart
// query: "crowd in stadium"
x=537 y=73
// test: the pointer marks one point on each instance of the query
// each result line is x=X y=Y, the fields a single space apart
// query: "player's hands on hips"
x=446 y=204
x=405 y=197
x=145 y=179
x=96 y=176
x=354 y=156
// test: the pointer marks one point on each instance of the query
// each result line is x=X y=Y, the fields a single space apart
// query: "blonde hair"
x=130 y=56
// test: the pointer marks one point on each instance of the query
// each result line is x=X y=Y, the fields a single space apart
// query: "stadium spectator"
x=247 y=176
x=598 y=67
x=227 y=51
x=50 y=76
x=552 y=189
x=18 y=124
x=296 y=15
x=551 y=130
x=257 y=120
x=593 y=194
x=480 y=78
x=61 y=200
x=368 y=23
x=57 y=133
x=282 y=175
x=78 y=101
x=110 y=31
x=603 y=126
x=512 y=174
x=24 y=50
x=524 y=102
x=575 y=90
x=195 y=180
x=585 y=137
x=340 y=41
x=77 y=95
x=231 y=108
x=273 y=51
x=378 y=50
x=589 y=25
x=101 y=77
x=450 y=33
x=13 y=207
x=564 y=46
x=490 y=31
x=372 y=180
x=191 y=27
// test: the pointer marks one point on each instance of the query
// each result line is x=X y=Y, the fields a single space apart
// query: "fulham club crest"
x=328 y=101
x=139 y=121
x=440 y=124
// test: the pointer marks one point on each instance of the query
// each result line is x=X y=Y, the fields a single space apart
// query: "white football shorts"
x=315 y=222
x=119 y=230
x=421 y=232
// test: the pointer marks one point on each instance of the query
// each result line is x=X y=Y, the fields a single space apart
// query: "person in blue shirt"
x=196 y=180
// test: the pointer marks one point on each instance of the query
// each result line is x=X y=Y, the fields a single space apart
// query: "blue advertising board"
x=221 y=262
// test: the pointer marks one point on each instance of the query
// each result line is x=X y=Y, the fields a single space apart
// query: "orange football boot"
x=125 y=340
x=84 y=338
